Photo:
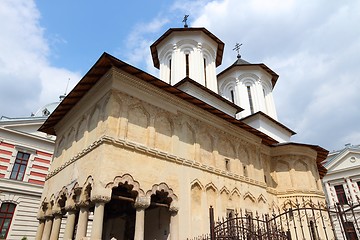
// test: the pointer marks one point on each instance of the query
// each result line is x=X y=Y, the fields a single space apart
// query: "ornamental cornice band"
x=159 y=154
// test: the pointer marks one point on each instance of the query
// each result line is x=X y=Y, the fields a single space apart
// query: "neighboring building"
x=25 y=157
x=149 y=156
x=342 y=186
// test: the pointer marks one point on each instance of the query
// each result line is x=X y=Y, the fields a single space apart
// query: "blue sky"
x=313 y=45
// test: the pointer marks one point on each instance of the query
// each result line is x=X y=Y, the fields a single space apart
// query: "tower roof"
x=219 y=52
x=241 y=62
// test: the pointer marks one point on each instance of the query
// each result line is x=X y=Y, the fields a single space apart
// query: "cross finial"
x=185 y=21
x=237 y=49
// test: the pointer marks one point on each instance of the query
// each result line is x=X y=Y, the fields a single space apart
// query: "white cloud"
x=138 y=44
x=27 y=79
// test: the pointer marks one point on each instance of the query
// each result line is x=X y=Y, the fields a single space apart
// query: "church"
x=142 y=157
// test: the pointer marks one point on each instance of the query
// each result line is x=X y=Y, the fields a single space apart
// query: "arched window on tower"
x=250 y=99
x=187 y=64
x=232 y=95
x=205 y=72
x=6 y=214
x=170 y=71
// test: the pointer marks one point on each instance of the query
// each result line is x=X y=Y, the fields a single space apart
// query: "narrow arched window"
x=187 y=64
x=250 y=100
x=205 y=71
x=169 y=71
x=6 y=215
x=232 y=96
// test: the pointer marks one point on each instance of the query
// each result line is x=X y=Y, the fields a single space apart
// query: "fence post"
x=212 y=223
x=342 y=221
x=267 y=226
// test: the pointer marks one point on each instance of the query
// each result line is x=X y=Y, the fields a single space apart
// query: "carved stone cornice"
x=160 y=155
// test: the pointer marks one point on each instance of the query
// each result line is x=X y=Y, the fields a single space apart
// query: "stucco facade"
x=148 y=160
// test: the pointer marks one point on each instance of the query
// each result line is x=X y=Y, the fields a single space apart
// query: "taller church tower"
x=188 y=52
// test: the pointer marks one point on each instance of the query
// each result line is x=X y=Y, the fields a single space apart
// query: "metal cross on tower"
x=185 y=21
x=237 y=49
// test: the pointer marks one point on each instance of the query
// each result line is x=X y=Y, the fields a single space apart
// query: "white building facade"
x=342 y=187
x=25 y=157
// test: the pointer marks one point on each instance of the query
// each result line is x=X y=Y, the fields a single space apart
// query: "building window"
x=350 y=230
x=250 y=100
x=245 y=171
x=232 y=96
x=6 y=214
x=170 y=71
x=20 y=164
x=340 y=193
x=187 y=64
x=227 y=164
x=205 y=71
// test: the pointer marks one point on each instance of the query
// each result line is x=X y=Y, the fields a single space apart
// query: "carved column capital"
x=71 y=208
x=100 y=198
x=173 y=209
x=40 y=216
x=84 y=203
x=142 y=202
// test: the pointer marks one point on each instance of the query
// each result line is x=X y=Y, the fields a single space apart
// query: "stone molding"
x=158 y=154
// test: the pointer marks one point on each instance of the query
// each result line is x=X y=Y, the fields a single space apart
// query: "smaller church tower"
x=188 y=52
x=250 y=86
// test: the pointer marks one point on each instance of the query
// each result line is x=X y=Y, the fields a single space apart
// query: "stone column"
x=97 y=227
x=40 y=228
x=327 y=187
x=140 y=204
x=83 y=220
x=351 y=190
x=56 y=225
x=47 y=227
x=174 y=223
x=70 y=223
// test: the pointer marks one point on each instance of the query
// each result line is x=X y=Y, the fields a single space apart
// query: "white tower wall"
x=199 y=47
x=238 y=80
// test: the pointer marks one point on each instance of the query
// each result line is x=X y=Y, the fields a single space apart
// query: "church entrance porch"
x=120 y=214
x=128 y=216
x=121 y=209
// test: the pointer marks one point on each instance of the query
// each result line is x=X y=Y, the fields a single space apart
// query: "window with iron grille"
x=340 y=193
x=6 y=214
x=350 y=230
x=20 y=164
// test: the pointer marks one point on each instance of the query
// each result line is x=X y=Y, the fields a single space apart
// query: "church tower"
x=188 y=53
x=250 y=86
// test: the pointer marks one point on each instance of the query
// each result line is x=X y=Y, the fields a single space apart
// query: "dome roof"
x=46 y=110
